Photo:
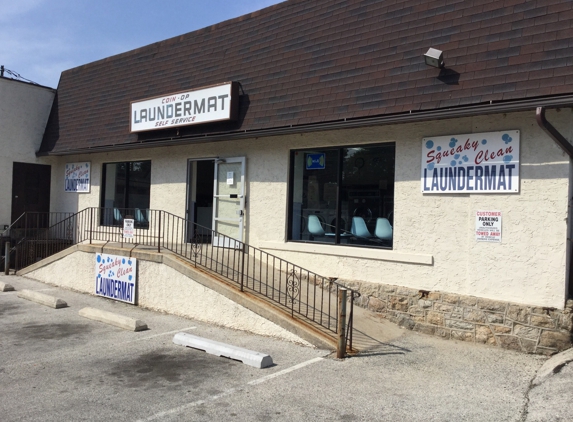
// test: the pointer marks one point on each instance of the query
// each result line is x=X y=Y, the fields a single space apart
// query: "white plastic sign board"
x=488 y=226
x=205 y=105
x=128 y=224
x=116 y=277
x=471 y=163
x=77 y=177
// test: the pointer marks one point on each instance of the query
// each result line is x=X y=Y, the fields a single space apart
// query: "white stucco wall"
x=434 y=241
x=161 y=288
x=24 y=111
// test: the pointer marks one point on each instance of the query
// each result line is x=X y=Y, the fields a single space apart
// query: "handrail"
x=303 y=293
x=11 y=225
x=29 y=222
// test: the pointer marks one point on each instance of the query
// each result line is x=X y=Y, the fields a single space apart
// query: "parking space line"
x=164 y=334
x=284 y=371
x=184 y=407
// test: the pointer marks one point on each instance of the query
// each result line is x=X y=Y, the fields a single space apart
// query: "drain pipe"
x=568 y=148
x=552 y=132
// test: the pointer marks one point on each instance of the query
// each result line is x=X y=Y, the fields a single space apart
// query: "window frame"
x=339 y=188
x=126 y=193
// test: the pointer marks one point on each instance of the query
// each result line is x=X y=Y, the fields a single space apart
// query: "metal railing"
x=303 y=293
x=28 y=225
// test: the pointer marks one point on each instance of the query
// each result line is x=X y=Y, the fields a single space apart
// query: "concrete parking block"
x=5 y=287
x=248 y=357
x=110 y=318
x=43 y=299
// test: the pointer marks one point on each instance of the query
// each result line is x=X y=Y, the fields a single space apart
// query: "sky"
x=39 y=39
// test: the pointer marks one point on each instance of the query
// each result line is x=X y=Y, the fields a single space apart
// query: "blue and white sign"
x=116 y=277
x=472 y=163
x=315 y=161
x=77 y=177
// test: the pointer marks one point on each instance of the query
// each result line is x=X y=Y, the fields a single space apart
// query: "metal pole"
x=91 y=224
x=159 y=233
x=341 y=347
x=7 y=259
x=242 y=265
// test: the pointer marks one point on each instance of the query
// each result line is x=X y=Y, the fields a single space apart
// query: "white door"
x=229 y=202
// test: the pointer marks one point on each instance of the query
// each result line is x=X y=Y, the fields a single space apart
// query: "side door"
x=229 y=202
x=31 y=190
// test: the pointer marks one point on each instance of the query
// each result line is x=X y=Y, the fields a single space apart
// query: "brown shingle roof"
x=302 y=62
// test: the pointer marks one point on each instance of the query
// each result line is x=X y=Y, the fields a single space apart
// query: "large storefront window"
x=126 y=192
x=343 y=195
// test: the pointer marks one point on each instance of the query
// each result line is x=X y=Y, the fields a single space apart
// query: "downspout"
x=552 y=132
x=568 y=148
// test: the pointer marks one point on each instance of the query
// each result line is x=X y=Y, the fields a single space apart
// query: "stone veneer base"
x=524 y=328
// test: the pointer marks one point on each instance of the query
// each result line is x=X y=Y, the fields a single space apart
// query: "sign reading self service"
x=77 y=177
x=476 y=162
x=116 y=277
x=211 y=104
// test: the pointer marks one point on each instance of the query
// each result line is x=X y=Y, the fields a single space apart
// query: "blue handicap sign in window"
x=315 y=161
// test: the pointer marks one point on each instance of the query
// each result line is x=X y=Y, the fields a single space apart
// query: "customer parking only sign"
x=116 y=277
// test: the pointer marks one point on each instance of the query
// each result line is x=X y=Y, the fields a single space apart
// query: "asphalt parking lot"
x=56 y=365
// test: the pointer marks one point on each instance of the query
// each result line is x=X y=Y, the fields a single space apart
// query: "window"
x=343 y=195
x=126 y=192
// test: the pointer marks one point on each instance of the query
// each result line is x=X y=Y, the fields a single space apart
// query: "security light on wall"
x=434 y=58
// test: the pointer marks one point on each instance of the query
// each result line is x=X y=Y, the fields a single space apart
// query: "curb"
x=248 y=357
x=5 y=287
x=42 y=299
x=553 y=366
x=116 y=320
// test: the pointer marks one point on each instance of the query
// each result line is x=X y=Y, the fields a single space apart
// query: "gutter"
x=553 y=133
x=566 y=146
x=413 y=116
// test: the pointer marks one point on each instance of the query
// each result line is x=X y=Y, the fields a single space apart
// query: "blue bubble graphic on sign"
x=508 y=158
x=484 y=141
x=453 y=163
x=439 y=148
x=130 y=277
x=506 y=138
x=431 y=166
x=453 y=142
x=123 y=261
x=129 y=262
x=457 y=156
x=99 y=258
x=465 y=158
x=430 y=144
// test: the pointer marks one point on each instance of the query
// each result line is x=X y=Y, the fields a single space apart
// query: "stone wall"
x=529 y=329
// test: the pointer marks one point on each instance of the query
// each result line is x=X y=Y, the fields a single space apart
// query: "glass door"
x=229 y=202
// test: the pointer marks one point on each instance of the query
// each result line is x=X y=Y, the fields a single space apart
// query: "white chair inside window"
x=118 y=218
x=315 y=227
x=359 y=229
x=140 y=216
x=383 y=229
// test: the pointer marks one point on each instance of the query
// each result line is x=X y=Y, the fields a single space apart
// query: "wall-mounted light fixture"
x=220 y=161
x=434 y=58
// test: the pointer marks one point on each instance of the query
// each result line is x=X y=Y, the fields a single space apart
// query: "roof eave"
x=412 y=116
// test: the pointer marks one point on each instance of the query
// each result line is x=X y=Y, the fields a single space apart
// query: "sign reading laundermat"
x=205 y=105
x=116 y=277
x=471 y=163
